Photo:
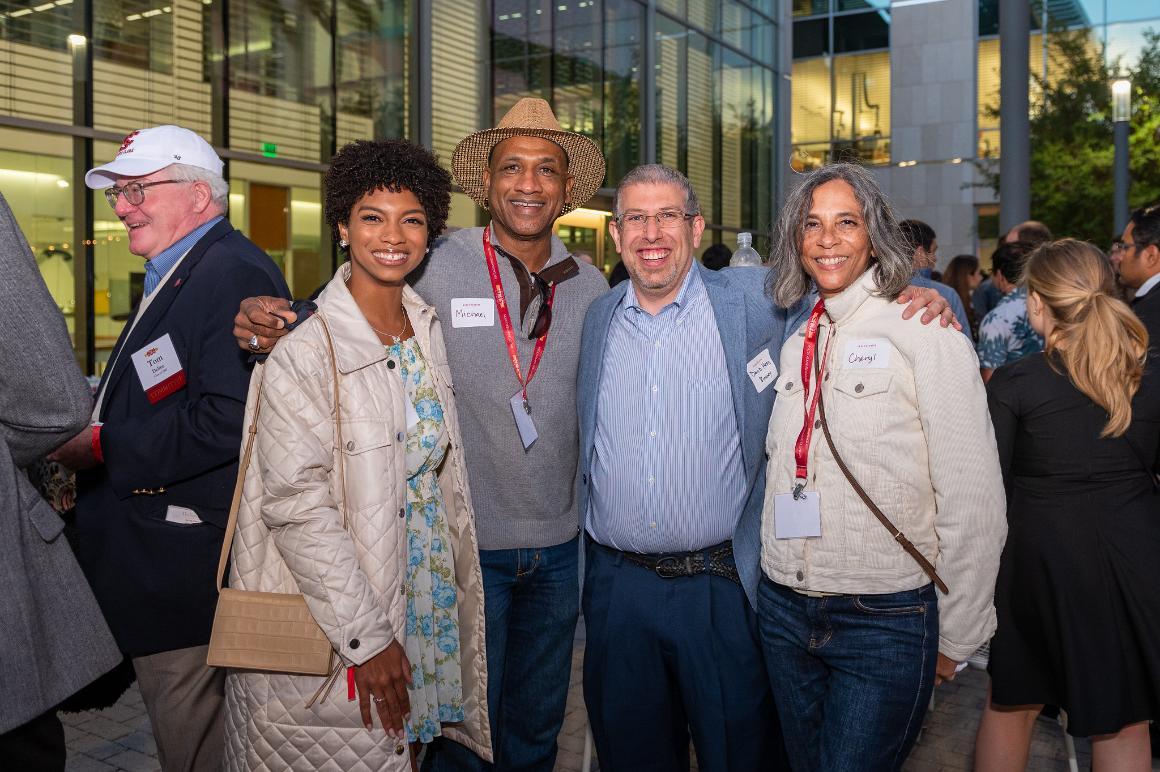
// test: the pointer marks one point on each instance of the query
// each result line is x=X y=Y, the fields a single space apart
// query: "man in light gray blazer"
x=53 y=639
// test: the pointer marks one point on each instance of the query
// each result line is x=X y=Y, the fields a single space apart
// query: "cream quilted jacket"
x=290 y=537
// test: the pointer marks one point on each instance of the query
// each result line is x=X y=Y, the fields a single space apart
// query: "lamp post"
x=1121 y=113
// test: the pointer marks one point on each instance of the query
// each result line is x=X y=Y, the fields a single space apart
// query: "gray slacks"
x=185 y=699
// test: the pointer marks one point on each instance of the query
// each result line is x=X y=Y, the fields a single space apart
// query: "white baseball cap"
x=148 y=150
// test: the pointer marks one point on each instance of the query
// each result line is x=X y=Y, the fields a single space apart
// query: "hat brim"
x=585 y=161
x=125 y=166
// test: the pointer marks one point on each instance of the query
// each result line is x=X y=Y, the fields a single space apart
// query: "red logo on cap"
x=126 y=142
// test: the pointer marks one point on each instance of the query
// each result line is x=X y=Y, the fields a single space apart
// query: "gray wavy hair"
x=218 y=187
x=788 y=282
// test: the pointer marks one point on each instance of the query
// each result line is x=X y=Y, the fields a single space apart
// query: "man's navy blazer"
x=748 y=323
x=154 y=579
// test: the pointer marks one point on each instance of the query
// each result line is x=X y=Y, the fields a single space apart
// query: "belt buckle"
x=669 y=567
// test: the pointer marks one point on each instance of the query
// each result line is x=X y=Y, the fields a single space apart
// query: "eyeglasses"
x=544 y=315
x=1126 y=245
x=134 y=192
x=666 y=218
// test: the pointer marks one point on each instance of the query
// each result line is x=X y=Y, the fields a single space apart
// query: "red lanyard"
x=505 y=318
x=801 y=449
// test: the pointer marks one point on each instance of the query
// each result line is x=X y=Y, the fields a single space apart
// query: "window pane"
x=119 y=275
x=135 y=33
x=576 y=68
x=811 y=38
x=373 y=54
x=280 y=79
x=861 y=121
x=746 y=142
x=36 y=79
x=810 y=7
x=862 y=31
x=856 y=5
x=811 y=101
x=459 y=77
x=623 y=32
x=701 y=112
x=670 y=96
x=38 y=189
x=522 y=52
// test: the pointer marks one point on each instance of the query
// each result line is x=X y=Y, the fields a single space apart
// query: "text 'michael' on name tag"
x=472 y=312
x=866 y=354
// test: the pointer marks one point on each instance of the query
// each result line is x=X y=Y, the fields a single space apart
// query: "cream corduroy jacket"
x=914 y=429
x=290 y=537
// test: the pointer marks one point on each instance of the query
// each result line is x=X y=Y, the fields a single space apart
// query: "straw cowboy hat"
x=529 y=118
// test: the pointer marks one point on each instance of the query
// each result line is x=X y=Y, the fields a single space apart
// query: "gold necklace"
x=395 y=339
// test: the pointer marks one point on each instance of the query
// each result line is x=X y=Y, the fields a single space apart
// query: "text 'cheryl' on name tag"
x=865 y=354
x=159 y=369
x=472 y=312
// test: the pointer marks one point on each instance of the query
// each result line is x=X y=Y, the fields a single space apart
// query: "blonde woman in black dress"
x=1078 y=593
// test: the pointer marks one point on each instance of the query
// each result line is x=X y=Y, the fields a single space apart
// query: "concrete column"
x=1014 y=121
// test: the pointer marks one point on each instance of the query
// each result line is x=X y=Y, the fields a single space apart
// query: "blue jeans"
x=531 y=603
x=851 y=675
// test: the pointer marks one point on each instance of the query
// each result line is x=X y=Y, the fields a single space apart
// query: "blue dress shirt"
x=667 y=473
x=160 y=265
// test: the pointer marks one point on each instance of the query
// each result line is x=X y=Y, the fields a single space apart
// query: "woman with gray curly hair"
x=897 y=492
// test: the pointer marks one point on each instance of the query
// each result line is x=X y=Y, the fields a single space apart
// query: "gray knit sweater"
x=522 y=499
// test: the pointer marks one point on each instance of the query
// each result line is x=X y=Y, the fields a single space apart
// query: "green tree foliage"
x=1072 y=137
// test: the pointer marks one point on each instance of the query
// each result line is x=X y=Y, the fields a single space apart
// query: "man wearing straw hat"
x=514 y=369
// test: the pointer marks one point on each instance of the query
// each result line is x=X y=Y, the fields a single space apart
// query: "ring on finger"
x=376 y=699
x=253 y=343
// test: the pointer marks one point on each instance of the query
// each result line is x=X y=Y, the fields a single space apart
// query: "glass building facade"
x=278 y=85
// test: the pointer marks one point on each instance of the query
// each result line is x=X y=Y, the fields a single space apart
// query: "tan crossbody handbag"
x=270 y=631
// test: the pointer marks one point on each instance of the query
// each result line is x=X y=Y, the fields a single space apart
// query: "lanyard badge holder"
x=798 y=514
x=521 y=409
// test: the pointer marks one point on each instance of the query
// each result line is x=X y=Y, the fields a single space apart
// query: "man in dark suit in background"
x=160 y=457
x=1139 y=267
x=53 y=639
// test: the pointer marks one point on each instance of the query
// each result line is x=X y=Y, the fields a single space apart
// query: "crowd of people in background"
x=789 y=500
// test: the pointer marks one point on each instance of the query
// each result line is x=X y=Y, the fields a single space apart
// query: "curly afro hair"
x=365 y=166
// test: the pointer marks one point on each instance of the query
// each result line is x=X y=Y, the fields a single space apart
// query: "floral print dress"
x=432 y=642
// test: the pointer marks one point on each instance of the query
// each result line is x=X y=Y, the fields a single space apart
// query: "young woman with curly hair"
x=364 y=508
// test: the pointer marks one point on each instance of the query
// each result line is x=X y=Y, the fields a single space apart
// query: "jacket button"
x=817 y=423
x=800 y=576
x=859 y=388
x=402 y=511
x=789 y=385
x=400 y=436
x=390 y=364
x=584 y=478
x=350 y=445
x=398 y=750
x=354 y=643
x=402 y=589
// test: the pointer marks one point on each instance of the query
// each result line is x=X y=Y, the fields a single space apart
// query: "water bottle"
x=745 y=254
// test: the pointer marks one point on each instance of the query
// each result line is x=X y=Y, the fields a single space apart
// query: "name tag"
x=159 y=369
x=871 y=353
x=797 y=518
x=762 y=371
x=523 y=417
x=472 y=312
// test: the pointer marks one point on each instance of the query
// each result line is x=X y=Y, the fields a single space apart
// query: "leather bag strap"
x=898 y=535
x=252 y=430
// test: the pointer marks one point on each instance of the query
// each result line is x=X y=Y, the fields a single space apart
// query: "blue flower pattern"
x=432 y=645
x=1005 y=334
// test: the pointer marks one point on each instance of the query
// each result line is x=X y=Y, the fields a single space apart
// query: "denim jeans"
x=851 y=675
x=531 y=603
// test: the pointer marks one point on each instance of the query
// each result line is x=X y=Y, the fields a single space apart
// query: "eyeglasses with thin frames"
x=134 y=192
x=666 y=219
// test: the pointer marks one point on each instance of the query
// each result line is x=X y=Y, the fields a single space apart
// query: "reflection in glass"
x=37 y=79
x=861 y=114
x=623 y=31
x=372 y=51
x=861 y=32
x=281 y=101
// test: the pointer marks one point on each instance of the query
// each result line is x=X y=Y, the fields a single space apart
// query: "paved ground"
x=119 y=738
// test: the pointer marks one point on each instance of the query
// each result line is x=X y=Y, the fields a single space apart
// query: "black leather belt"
x=715 y=561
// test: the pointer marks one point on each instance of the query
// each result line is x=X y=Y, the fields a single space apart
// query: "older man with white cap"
x=156 y=467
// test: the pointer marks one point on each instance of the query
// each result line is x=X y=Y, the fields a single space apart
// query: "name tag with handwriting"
x=472 y=312
x=866 y=354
